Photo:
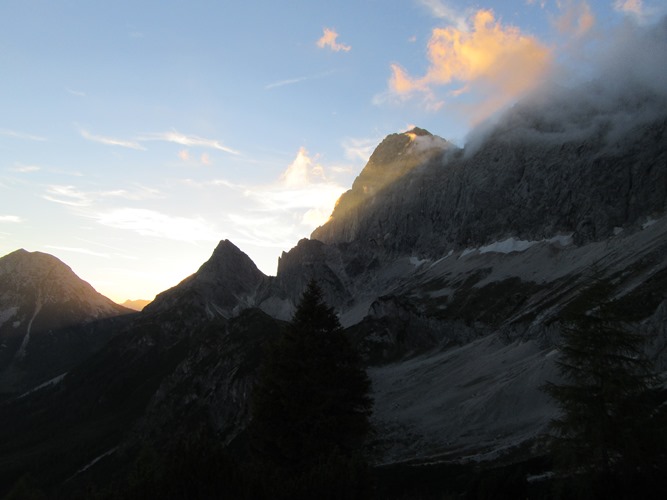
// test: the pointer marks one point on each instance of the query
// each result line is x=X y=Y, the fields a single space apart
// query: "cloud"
x=497 y=62
x=441 y=10
x=110 y=141
x=328 y=39
x=184 y=154
x=625 y=87
x=67 y=195
x=188 y=140
x=276 y=215
x=26 y=169
x=292 y=81
x=156 y=224
x=205 y=159
x=576 y=20
x=77 y=93
x=84 y=251
x=640 y=11
x=635 y=7
x=359 y=149
x=138 y=193
x=10 y=218
x=289 y=81
x=303 y=171
x=21 y=135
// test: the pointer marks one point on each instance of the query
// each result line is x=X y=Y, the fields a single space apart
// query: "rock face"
x=40 y=296
x=528 y=180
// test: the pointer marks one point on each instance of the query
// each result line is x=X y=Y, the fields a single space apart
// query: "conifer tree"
x=311 y=404
x=607 y=427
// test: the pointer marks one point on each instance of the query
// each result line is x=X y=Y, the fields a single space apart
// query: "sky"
x=134 y=136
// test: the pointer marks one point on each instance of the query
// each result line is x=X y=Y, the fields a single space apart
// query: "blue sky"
x=136 y=135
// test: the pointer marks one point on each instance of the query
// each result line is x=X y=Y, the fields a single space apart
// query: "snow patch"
x=95 y=460
x=512 y=244
x=467 y=251
x=53 y=381
x=649 y=223
x=563 y=240
x=508 y=246
x=416 y=261
x=20 y=354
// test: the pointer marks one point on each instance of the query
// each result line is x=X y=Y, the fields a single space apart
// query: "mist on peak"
x=625 y=88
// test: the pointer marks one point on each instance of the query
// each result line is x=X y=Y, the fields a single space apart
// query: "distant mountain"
x=40 y=298
x=450 y=269
x=136 y=305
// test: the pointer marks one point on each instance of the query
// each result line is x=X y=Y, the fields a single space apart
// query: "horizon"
x=135 y=138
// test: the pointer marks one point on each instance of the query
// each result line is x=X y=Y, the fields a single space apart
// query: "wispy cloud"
x=442 y=10
x=11 y=218
x=159 y=225
x=77 y=93
x=84 y=251
x=67 y=195
x=188 y=140
x=111 y=141
x=328 y=40
x=629 y=6
x=576 y=20
x=292 y=81
x=25 y=169
x=21 y=135
x=359 y=149
x=639 y=10
x=137 y=193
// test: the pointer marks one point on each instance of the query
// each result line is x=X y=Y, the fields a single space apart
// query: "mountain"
x=449 y=268
x=136 y=305
x=41 y=302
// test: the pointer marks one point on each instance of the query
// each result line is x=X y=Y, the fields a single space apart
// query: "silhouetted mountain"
x=42 y=302
x=136 y=305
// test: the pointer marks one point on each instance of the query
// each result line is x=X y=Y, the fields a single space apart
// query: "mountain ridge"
x=449 y=268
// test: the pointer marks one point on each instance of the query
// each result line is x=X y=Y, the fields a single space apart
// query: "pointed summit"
x=223 y=285
x=392 y=159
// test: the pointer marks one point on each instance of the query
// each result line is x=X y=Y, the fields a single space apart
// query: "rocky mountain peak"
x=223 y=285
x=50 y=279
x=395 y=157
x=41 y=297
x=227 y=263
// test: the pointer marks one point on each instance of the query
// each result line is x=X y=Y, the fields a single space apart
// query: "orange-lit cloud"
x=302 y=171
x=184 y=154
x=205 y=158
x=489 y=57
x=577 y=18
x=328 y=39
